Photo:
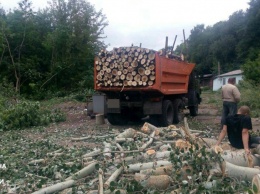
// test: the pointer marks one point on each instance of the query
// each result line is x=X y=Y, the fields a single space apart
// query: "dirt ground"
x=79 y=125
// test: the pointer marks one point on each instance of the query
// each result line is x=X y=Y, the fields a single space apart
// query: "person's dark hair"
x=245 y=110
x=232 y=80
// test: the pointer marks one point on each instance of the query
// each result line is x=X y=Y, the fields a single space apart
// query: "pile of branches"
x=156 y=160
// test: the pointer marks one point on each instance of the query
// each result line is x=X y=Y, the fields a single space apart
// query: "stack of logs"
x=125 y=66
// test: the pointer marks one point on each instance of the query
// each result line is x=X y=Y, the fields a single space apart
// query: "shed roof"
x=235 y=72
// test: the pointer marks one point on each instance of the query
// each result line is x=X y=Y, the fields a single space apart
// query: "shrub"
x=250 y=96
x=27 y=114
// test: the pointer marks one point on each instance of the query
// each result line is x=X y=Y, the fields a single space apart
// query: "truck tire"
x=116 y=119
x=178 y=111
x=194 y=110
x=166 y=118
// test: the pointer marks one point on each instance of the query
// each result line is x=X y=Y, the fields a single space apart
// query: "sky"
x=148 y=22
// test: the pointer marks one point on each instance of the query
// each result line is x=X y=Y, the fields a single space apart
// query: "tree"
x=251 y=69
x=76 y=34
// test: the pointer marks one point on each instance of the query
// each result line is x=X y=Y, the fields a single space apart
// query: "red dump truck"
x=139 y=82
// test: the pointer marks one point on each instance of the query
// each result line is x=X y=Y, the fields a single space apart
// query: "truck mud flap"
x=113 y=106
x=152 y=108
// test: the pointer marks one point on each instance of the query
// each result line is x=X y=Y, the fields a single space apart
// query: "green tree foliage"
x=52 y=49
x=251 y=70
x=230 y=43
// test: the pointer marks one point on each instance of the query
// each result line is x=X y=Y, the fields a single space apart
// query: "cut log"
x=120 y=140
x=144 y=78
x=125 y=71
x=165 y=170
x=55 y=188
x=152 y=77
x=143 y=61
x=122 y=77
x=143 y=166
x=240 y=158
x=137 y=78
x=151 y=56
x=149 y=128
x=107 y=150
x=126 y=64
x=100 y=119
x=100 y=178
x=256 y=183
x=129 y=77
x=93 y=153
x=128 y=133
x=113 y=177
x=240 y=172
x=83 y=172
x=148 y=143
x=150 y=83
x=130 y=69
x=147 y=72
x=141 y=71
x=134 y=64
x=160 y=182
x=119 y=73
x=114 y=72
x=134 y=73
x=34 y=162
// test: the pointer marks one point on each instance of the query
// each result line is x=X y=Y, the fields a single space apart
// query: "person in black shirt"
x=237 y=128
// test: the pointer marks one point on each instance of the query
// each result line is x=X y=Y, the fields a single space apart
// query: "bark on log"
x=143 y=166
x=128 y=133
x=256 y=183
x=107 y=150
x=149 y=128
x=239 y=158
x=100 y=178
x=83 y=172
x=157 y=156
x=93 y=153
x=80 y=138
x=120 y=140
x=113 y=177
x=34 y=162
x=100 y=119
x=165 y=170
x=57 y=187
x=148 y=143
x=160 y=182
x=240 y=172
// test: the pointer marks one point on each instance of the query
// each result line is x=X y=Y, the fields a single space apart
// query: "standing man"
x=230 y=97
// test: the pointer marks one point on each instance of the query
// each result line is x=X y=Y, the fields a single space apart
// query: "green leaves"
x=27 y=114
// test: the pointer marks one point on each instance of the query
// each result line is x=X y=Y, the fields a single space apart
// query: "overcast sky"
x=150 y=21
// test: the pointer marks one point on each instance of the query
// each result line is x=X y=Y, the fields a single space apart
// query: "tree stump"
x=100 y=119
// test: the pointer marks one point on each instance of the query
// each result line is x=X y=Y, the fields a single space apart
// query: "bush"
x=250 y=96
x=27 y=114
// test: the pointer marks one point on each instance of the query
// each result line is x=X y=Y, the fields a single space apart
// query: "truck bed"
x=171 y=77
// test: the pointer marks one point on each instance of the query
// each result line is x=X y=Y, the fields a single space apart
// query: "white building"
x=222 y=79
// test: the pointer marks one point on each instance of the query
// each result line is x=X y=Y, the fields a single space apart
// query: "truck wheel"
x=178 y=111
x=116 y=119
x=166 y=118
x=194 y=110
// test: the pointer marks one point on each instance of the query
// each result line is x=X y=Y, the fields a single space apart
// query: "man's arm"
x=236 y=94
x=222 y=134
x=245 y=139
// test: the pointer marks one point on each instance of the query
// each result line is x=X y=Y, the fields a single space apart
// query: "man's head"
x=232 y=80
x=244 y=110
